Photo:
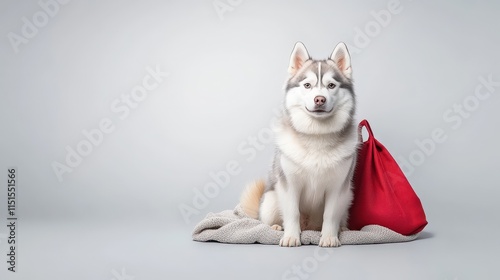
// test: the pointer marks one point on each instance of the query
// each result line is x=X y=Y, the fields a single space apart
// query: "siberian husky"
x=309 y=186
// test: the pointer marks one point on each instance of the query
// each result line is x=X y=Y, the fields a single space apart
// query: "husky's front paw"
x=329 y=241
x=290 y=241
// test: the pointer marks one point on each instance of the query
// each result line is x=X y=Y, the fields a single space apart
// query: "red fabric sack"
x=382 y=194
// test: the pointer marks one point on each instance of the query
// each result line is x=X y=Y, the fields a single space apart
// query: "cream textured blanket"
x=234 y=226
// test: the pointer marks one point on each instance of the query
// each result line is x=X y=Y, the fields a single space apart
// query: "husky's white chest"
x=316 y=154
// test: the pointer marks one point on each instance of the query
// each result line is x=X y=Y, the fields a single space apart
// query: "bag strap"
x=365 y=124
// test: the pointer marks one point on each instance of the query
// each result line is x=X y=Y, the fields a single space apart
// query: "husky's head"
x=319 y=93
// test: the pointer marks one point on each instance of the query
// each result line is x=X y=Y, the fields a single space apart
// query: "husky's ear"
x=298 y=57
x=341 y=57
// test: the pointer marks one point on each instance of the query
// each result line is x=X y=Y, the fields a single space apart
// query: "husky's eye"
x=331 y=85
x=307 y=85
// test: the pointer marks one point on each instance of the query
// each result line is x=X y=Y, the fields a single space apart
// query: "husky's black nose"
x=319 y=100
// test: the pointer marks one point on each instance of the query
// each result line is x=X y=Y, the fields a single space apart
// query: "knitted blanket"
x=234 y=226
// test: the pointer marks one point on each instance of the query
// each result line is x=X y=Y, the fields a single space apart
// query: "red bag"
x=382 y=194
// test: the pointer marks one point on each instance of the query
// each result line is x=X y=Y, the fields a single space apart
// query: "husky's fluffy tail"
x=250 y=199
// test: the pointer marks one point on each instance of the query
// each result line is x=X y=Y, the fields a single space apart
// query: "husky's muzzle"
x=320 y=106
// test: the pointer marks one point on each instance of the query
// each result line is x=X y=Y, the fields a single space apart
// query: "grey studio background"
x=172 y=92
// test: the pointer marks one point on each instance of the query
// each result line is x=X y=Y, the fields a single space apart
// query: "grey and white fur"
x=310 y=183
